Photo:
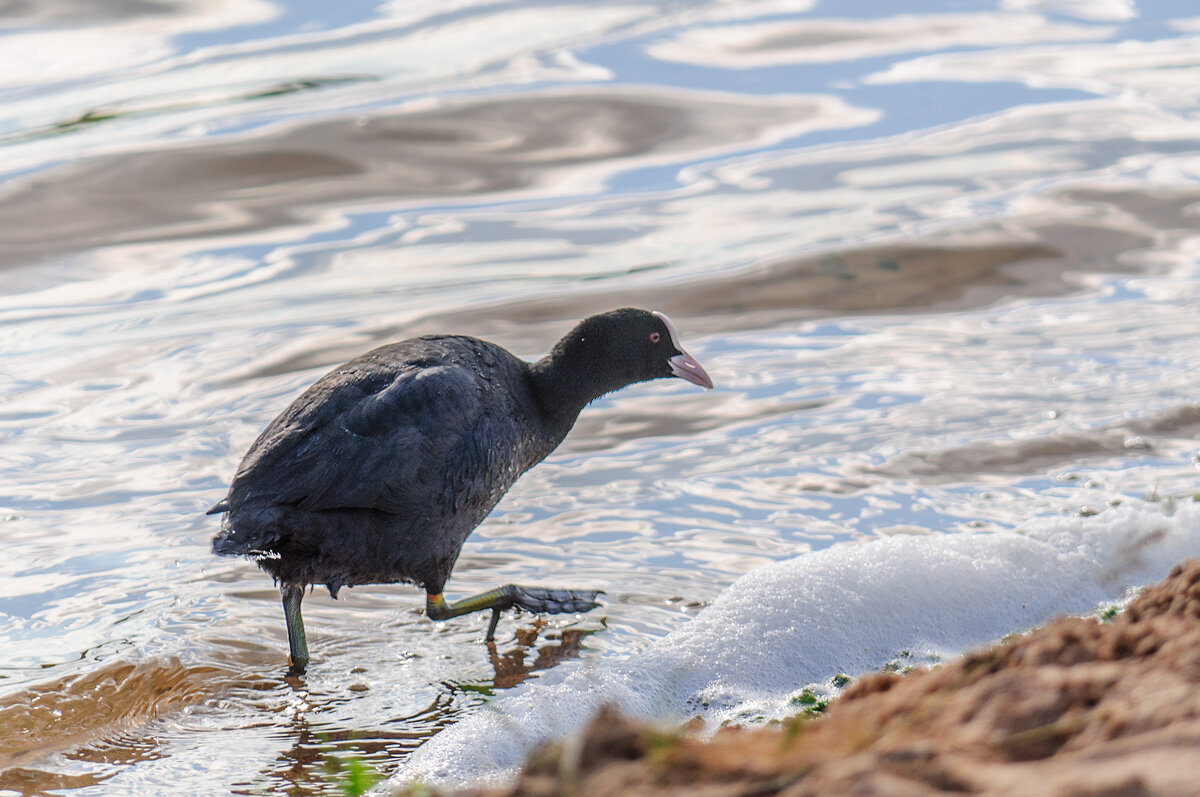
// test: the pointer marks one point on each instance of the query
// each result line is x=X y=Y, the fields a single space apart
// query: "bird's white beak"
x=684 y=365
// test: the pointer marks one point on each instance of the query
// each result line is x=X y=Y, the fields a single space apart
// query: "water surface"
x=940 y=260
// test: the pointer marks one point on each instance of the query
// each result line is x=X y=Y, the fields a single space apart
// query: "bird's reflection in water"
x=314 y=763
x=512 y=667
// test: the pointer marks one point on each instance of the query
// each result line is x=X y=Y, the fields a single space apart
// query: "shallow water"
x=942 y=265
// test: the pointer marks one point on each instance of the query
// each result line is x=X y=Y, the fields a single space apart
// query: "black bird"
x=379 y=471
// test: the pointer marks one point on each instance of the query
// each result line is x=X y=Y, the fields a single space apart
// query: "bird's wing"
x=393 y=444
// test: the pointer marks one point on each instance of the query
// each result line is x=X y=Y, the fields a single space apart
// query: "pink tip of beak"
x=685 y=367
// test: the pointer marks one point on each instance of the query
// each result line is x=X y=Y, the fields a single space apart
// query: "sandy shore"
x=1079 y=707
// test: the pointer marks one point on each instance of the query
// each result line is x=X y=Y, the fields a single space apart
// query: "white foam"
x=845 y=609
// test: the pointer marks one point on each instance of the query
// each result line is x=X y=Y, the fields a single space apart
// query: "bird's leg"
x=292 y=595
x=534 y=599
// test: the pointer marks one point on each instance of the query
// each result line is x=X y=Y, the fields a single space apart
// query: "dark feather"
x=381 y=469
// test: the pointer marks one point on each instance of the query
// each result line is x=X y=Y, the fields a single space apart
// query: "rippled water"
x=940 y=260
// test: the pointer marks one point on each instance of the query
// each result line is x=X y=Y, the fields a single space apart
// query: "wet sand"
x=77 y=712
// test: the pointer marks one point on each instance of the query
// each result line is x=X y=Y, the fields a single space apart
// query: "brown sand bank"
x=1080 y=707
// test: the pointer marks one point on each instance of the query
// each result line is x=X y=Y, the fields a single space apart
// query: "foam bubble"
x=845 y=609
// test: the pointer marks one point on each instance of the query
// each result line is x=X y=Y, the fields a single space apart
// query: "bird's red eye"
x=655 y=337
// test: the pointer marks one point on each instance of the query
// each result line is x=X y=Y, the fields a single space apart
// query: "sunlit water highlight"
x=941 y=265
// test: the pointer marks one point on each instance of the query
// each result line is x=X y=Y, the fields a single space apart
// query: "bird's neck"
x=563 y=391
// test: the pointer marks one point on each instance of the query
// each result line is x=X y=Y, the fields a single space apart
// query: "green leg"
x=534 y=599
x=292 y=595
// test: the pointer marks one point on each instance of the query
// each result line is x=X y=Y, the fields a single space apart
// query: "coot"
x=378 y=472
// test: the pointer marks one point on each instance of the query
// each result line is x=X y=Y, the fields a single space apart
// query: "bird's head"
x=629 y=345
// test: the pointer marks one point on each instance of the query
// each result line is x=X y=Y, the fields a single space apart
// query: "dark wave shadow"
x=468 y=147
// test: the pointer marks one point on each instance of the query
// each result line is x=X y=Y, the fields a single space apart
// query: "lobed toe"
x=555 y=601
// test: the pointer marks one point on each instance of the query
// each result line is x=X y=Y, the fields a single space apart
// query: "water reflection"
x=942 y=265
x=513 y=667
x=69 y=40
x=124 y=715
x=467 y=148
x=768 y=44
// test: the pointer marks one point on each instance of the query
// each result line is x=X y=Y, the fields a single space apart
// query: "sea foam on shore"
x=849 y=609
